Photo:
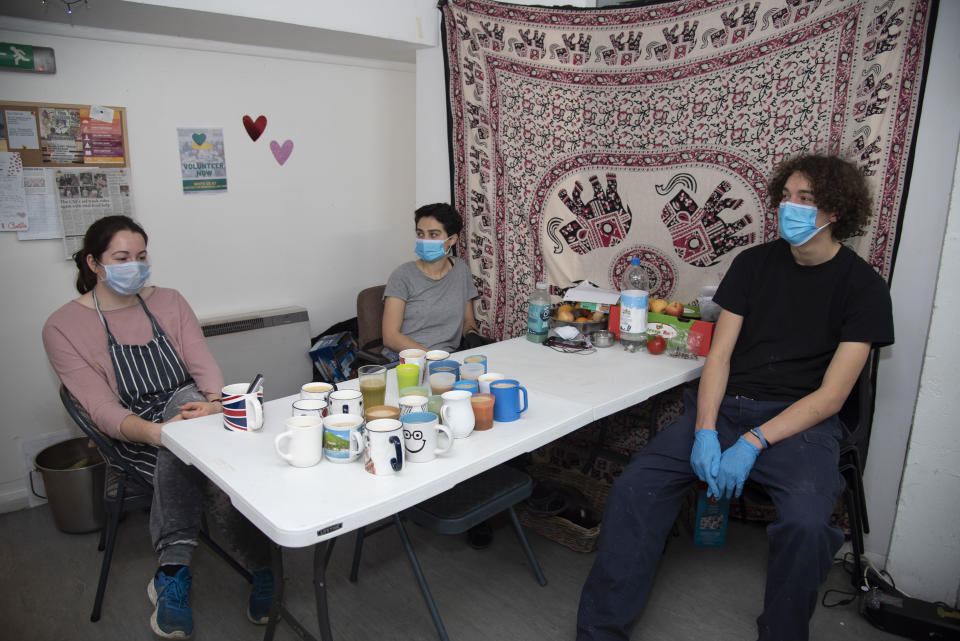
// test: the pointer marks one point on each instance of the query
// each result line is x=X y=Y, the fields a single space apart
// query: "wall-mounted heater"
x=273 y=342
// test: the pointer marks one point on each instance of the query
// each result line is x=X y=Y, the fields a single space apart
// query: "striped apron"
x=147 y=376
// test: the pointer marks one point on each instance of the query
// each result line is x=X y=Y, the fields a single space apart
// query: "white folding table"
x=297 y=507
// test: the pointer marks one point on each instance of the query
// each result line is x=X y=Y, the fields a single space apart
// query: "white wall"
x=925 y=548
x=913 y=283
x=311 y=233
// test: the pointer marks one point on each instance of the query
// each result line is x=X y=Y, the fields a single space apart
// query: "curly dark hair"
x=839 y=188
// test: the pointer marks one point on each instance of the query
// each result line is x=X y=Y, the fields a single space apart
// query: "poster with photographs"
x=60 y=139
x=85 y=196
x=203 y=165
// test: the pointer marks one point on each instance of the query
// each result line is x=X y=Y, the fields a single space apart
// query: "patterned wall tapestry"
x=583 y=138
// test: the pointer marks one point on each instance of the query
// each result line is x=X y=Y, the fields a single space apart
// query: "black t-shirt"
x=794 y=316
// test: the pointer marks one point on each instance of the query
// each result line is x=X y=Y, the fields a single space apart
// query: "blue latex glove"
x=705 y=459
x=735 y=466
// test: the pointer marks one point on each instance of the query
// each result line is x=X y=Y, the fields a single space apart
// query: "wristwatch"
x=756 y=432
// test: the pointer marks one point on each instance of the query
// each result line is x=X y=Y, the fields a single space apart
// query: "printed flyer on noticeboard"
x=203 y=165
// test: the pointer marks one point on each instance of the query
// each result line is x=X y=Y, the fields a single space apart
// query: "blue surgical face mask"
x=127 y=279
x=430 y=250
x=798 y=223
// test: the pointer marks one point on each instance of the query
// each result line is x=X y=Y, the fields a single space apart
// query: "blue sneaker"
x=261 y=597
x=172 y=617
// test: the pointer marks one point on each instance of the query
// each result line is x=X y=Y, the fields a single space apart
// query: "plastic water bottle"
x=635 y=277
x=538 y=314
x=633 y=307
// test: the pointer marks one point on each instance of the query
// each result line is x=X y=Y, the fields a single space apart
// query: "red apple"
x=674 y=309
x=656 y=345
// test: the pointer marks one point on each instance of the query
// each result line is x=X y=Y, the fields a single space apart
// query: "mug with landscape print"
x=342 y=437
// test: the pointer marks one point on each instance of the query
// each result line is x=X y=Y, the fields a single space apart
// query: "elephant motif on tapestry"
x=700 y=236
x=602 y=221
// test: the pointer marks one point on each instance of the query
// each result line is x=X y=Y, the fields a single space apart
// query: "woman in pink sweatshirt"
x=135 y=358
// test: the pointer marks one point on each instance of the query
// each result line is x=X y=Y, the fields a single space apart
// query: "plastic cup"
x=441 y=382
x=482 y=411
x=408 y=375
x=471 y=371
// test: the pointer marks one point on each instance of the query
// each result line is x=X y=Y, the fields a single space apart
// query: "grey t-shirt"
x=433 y=315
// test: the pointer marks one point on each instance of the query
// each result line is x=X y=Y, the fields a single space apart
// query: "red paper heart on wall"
x=254 y=127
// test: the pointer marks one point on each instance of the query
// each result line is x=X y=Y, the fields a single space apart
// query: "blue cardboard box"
x=333 y=355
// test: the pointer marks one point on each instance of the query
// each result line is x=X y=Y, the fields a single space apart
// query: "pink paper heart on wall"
x=281 y=152
x=254 y=127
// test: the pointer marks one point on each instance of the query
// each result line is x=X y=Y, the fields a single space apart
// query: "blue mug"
x=445 y=366
x=471 y=386
x=506 y=406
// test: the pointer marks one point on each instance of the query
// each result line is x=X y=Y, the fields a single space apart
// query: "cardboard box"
x=333 y=355
x=693 y=336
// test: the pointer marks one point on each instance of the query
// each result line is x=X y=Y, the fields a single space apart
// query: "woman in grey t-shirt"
x=428 y=302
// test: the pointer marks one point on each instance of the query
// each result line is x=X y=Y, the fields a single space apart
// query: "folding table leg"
x=542 y=580
x=434 y=613
x=357 y=551
x=321 y=558
x=276 y=559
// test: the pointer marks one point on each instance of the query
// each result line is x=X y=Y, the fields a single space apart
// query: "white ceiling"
x=136 y=17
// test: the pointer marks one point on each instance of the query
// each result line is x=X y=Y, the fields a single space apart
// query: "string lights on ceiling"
x=67 y=4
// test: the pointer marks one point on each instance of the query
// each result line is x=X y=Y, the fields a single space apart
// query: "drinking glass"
x=373 y=384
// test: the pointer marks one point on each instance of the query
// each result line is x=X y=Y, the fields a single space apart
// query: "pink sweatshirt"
x=76 y=344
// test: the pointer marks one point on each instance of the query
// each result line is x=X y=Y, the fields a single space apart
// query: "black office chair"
x=125 y=489
x=456 y=511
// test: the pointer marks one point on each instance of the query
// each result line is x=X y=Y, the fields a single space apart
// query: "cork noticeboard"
x=63 y=135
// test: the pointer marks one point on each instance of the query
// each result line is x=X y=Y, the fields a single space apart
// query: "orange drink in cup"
x=482 y=411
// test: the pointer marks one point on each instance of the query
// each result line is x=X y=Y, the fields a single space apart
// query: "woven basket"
x=557 y=528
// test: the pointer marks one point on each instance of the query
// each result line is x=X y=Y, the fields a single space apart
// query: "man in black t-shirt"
x=799 y=316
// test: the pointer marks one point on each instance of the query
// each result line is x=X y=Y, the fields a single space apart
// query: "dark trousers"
x=800 y=474
x=182 y=495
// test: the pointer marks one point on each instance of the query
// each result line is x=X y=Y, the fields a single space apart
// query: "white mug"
x=342 y=437
x=315 y=390
x=305 y=436
x=413 y=403
x=383 y=451
x=421 y=433
x=437 y=355
x=345 y=401
x=416 y=357
x=310 y=407
x=484 y=381
x=457 y=412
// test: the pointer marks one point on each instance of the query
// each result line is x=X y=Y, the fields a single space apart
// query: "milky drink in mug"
x=310 y=407
x=437 y=355
x=381 y=411
x=302 y=444
x=471 y=371
x=416 y=357
x=383 y=454
x=316 y=390
x=441 y=382
x=477 y=358
x=485 y=379
x=413 y=403
x=373 y=384
x=506 y=394
x=345 y=401
x=342 y=437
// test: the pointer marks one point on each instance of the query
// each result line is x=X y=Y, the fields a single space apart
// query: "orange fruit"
x=582 y=319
